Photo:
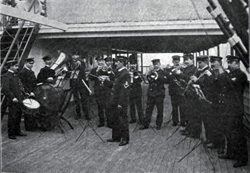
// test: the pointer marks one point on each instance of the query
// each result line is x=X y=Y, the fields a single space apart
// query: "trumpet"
x=178 y=68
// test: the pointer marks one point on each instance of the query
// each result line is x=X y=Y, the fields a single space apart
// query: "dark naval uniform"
x=220 y=107
x=203 y=100
x=44 y=74
x=176 y=88
x=13 y=88
x=102 y=94
x=230 y=105
x=77 y=75
x=28 y=79
x=135 y=98
x=120 y=96
x=156 y=94
x=188 y=103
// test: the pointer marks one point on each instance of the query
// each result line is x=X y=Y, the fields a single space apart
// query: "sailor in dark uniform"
x=111 y=70
x=46 y=74
x=29 y=80
x=188 y=104
x=119 y=103
x=135 y=98
x=156 y=93
x=204 y=92
x=102 y=90
x=15 y=94
x=234 y=81
x=80 y=90
x=175 y=90
x=218 y=107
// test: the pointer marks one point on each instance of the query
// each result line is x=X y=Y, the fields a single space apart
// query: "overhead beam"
x=17 y=13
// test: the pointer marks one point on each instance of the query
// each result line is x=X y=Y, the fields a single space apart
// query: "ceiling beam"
x=36 y=18
x=133 y=29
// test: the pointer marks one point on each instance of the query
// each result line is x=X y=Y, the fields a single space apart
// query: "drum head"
x=31 y=104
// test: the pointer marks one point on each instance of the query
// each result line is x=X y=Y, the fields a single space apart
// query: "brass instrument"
x=178 y=68
x=196 y=88
x=152 y=75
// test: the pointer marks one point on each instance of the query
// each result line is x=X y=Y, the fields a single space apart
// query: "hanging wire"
x=200 y=19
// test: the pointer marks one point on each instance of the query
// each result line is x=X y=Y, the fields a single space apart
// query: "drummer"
x=46 y=74
x=28 y=79
x=14 y=92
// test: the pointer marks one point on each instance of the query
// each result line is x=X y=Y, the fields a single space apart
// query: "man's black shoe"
x=12 y=137
x=109 y=126
x=21 y=134
x=112 y=140
x=174 y=124
x=183 y=130
x=100 y=125
x=225 y=156
x=87 y=118
x=132 y=121
x=122 y=143
x=239 y=164
x=143 y=127
x=186 y=133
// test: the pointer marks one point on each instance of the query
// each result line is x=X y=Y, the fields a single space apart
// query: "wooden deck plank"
x=183 y=145
x=146 y=152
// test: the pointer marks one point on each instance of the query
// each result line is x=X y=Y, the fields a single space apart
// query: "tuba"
x=61 y=68
x=59 y=62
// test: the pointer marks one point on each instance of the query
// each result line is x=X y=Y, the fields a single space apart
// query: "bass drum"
x=51 y=100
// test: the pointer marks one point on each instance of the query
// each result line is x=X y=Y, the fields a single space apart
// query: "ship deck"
x=83 y=151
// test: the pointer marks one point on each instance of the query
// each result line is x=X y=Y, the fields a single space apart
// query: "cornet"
x=152 y=75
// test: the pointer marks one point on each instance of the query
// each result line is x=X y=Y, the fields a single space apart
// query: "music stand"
x=199 y=142
x=166 y=123
x=85 y=126
x=173 y=133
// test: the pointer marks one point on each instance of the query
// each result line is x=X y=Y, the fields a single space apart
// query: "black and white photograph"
x=124 y=86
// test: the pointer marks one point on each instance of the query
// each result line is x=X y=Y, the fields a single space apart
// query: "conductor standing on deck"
x=119 y=103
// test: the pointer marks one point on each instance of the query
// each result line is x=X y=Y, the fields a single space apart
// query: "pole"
x=15 y=39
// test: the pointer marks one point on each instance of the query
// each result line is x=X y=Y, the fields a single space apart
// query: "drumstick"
x=86 y=86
